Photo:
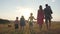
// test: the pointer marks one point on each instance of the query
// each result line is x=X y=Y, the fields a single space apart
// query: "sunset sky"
x=10 y=9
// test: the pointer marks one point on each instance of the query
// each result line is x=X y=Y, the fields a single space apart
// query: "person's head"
x=31 y=14
x=16 y=18
x=40 y=7
x=46 y=5
x=22 y=16
x=49 y=6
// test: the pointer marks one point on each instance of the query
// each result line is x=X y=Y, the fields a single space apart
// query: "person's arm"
x=28 y=19
x=43 y=14
x=34 y=18
x=50 y=10
x=18 y=22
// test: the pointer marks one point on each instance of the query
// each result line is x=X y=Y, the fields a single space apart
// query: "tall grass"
x=55 y=29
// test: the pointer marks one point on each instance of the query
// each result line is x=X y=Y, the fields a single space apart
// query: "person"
x=30 y=19
x=40 y=17
x=48 y=16
x=16 y=22
x=22 y=23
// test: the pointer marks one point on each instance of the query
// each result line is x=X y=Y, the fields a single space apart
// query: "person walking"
x=48 y=16
x=40 y=17
x=30 y=20
x=16 y=22
x=22 y=24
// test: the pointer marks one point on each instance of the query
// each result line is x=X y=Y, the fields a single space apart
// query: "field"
x=55 y=29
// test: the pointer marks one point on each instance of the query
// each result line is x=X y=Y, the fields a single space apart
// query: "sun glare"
x=25 y=12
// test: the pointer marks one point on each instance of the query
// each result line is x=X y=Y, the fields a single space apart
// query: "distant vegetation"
x=3 y=21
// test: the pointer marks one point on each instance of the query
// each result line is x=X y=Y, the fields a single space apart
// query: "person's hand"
x=35 y=22
x=35 y=19
x=27 y=21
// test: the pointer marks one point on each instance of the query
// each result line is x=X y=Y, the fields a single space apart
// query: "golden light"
x=25 y=12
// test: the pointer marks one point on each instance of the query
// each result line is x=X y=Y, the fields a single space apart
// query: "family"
x=41 y=15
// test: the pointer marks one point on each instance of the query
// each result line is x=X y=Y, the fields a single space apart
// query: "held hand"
x=35 y=19
x=34 y=22
x=27 y=21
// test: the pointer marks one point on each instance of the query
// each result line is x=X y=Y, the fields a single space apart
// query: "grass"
x=55 y=29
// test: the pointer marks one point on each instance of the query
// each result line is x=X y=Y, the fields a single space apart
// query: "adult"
x=40 y=17
x=48 y=16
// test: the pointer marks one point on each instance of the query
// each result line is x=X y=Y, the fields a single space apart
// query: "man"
x=48 y=17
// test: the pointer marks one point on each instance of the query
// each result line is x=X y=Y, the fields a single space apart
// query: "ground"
x=55 y=29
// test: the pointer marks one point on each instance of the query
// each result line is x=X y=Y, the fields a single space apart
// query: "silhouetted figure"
x=48 y=16
x=16 y=22
x=31 y=18
x=40 y=17
x=22 y=23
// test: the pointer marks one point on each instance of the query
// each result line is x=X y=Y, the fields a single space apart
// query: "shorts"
x=30 y=23
x=16 y=26
x=47 y=21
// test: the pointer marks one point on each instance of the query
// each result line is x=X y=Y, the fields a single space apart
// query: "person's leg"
x=49 y=23
x=46 y=21
x=40 y=27
x=31 y=28
x=20 y=28
x=23 y=28
x=22 y=31
x=15 y=27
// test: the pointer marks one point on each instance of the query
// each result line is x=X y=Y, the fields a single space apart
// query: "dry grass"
x=55 y=29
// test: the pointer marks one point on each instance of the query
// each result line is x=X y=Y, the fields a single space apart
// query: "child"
x=16 y=23
x=40 y=17
x=22 y=23
x=31 y=22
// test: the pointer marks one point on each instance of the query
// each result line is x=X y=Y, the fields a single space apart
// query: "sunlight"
x=25 y=12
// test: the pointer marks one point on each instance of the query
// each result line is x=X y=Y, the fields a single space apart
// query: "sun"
x=25 y=12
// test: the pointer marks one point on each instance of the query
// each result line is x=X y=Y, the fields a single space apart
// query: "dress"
x=22 y=22
x=40 y=17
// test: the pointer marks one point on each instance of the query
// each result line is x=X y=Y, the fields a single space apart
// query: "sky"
x=10 y=9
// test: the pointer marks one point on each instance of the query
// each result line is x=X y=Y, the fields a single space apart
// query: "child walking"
x=16 y=22
x=22 y=23
x=31 y=22
x=40 y=17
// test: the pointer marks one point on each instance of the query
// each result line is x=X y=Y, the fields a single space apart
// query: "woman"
x=40 y=17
